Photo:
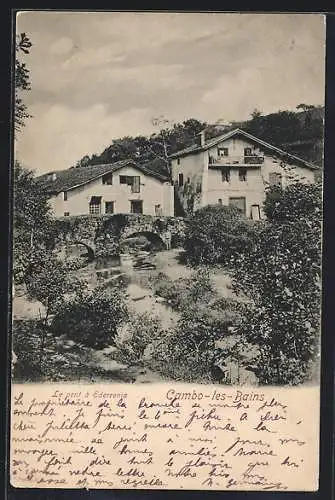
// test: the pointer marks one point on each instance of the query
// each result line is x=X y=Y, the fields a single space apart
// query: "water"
x=141 y=298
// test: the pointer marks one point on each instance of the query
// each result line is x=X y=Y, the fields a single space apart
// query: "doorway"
x=238 y=203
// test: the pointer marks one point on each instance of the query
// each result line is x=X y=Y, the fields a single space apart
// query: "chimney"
x=54 y=176
x=202 y=138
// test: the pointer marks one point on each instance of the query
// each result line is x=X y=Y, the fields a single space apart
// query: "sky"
x=96 y=77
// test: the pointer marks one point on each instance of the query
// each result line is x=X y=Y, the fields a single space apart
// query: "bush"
x=40 y=357
x=295 y=202
x=190 y=352
x=184 y=292
x=49 y=280
x=214 y=234
x=28 y=339
x=134 y=342
x=92 y=318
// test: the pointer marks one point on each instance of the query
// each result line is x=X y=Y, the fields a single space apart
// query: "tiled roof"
x=78 y=176
x=252 y=138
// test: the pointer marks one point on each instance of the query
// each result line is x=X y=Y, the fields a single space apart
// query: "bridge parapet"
x=103 y=233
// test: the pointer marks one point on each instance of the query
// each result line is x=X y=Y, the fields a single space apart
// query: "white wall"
x=253 y=189
x=152 y=192
x=194 y=168
x=235 y=147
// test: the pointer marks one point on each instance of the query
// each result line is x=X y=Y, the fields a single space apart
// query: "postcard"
x=167 y=224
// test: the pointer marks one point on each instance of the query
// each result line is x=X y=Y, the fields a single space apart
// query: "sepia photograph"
x=167 y=214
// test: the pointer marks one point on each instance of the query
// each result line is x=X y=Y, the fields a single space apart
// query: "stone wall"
x=103 y=234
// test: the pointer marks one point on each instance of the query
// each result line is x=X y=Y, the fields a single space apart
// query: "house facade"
x=234 y=169
x=121 y=187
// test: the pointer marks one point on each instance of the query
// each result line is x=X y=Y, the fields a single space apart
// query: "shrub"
x=216 y=233
x=92 y=318
x=189 y=352
x=186 y=291
x=40 y=357
x=295 y=202
x=27 y=345
x=134 y=342
x=49 y=280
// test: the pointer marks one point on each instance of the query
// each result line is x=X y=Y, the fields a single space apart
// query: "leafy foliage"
x=22 y=82
x=216 y=233
x=187 y=351
x=49 y=281
x=41 y=356
x=296 y=201
x=299 y=132
x=92 y=318
x=135 y=341
x=153 y=150
x=32 y=223
x=281 y=276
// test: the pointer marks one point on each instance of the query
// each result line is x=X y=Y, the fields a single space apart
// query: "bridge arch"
x=152 y=237
x=90 y=250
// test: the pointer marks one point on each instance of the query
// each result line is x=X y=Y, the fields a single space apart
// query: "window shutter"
x=136 y=184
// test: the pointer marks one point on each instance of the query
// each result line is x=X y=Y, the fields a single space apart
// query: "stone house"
x=234 y=169
x=121 y=187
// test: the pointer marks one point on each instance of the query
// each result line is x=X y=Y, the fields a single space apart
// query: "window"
x=65 y=195
x=181 y=180
x=225 y=174
x=66 y=214
x=222 y=152
x=178 y=161
x=275 y=179
x=220 y=201
x=247 y=152
x=136 y=206
x=242 y=174
x=107 y=179
x=95 y=205
x=123 y=179
x=238 y=203
x=199 y=187
x=109 y=207
x=131 y=180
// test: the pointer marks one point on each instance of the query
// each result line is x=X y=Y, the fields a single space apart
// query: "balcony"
x=236 y=160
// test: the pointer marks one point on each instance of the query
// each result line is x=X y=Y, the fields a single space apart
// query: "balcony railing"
x=236 y=160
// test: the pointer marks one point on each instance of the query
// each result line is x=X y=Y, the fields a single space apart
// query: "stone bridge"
x=102 y=235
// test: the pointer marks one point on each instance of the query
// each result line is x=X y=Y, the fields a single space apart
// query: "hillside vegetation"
x=299 y=132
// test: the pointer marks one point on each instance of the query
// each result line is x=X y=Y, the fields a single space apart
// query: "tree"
x=256 y=113
x=305 y=107
x=153 y=151
x=31 y=221
x=281 y=276
x=22 y=81
x=214 y=234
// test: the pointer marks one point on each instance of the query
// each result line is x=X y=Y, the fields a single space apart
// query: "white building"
x=121 y=187
x=234 y=169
